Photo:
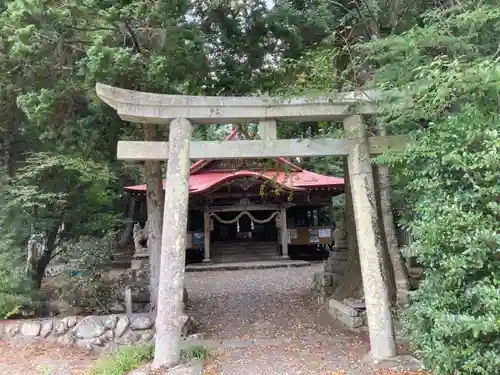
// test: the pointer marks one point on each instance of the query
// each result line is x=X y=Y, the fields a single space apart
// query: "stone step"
x=240 y=259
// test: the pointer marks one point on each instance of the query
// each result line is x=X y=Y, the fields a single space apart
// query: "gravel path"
x=273 y=304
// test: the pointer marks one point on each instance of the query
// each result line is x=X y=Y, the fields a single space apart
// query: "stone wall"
x=90 y=333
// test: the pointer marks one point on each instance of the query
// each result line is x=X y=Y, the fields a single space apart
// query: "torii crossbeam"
x=181 y=112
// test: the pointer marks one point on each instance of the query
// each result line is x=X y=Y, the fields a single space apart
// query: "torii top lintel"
x=149 y=108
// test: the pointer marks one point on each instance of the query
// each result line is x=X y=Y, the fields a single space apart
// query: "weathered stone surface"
x=357 y=304
x=128 y=338
x=122 y=326
x=111 y=322
x=109 y=335
x=141 y=322
x=60 y=328
x=193 y=368
x=147 y=336
x=92 y=333
x=196 y=337
x=66 y=340
x=70 y=321
x=189 y=326
x=46 y=328
x=11 y=329
x=31 y=329
x=89 y=327
x=352 y=322
x=333 y=304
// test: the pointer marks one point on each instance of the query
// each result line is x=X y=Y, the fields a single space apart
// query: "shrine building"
x=254 y=209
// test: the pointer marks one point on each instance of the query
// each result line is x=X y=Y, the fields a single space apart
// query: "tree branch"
x=133 y=36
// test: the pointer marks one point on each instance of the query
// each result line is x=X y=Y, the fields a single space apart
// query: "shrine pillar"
x=206 y=230
x=173 y=249
x=283 y=233
x=371 y=250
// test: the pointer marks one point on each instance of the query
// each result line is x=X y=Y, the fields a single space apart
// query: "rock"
x=188 y=325
x=89 y=327
x=11 y=330
x=130 y=337
x=122 y=326
x=146 y=370
x=66 y=340
x=111 y=322
x=97 y=341
x=147 y=336
x=46 y=328
x=60 y=328
x=117 y=307
x=333 y=304
x=141 y=322
x=31 y=329
x=196 y=337
x=109 y=335
x=85 y=344
x=193 y=368
x=70 y=321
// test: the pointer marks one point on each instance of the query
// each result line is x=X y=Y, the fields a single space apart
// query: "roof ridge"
x=196 y=167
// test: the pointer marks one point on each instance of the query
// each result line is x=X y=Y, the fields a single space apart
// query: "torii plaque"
x=182 y=111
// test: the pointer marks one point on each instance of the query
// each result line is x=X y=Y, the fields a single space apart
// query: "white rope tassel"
x=238 y=225
x=211 y=225
x=252 y=226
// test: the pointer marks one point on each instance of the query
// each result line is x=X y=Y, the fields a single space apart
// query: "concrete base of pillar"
x=285 y=257
x=207 y=261
x=400 y=362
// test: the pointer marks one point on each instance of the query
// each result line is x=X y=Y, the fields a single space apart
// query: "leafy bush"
x=15 y=289
x=82 y=285
x=441 y=83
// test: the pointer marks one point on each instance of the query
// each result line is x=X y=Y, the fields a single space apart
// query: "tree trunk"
x=42 y=263
x=351 y=285
x=170 y=292
x=391 y=283
x=397 y=262
x=154 y=201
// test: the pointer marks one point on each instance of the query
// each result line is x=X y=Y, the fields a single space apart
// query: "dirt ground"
x=270 y=306
x=42 y=359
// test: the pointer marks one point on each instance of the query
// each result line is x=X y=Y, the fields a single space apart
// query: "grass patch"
x=195 y=352
x=129 y=358
x=126 y=359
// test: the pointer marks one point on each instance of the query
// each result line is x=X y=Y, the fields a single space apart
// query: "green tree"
x=441 y=83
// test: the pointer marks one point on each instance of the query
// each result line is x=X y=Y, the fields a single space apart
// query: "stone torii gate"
x=181 y=112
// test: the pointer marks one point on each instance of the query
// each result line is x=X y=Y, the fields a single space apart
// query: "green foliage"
x=195 y=352
x=52 y=189
x=126 y=359
x=441 y=85
x=81 y=286
x=129 y=358
x=15 y=291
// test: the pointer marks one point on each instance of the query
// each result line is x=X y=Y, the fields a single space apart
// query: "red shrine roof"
x=296 y=179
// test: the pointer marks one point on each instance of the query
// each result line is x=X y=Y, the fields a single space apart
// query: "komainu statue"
x=140 y=240
x=340 y=234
